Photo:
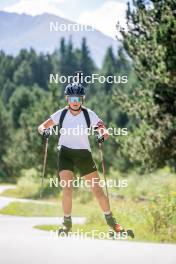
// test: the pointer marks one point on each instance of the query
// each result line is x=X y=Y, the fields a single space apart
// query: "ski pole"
x=44 y=166
x=104 y=171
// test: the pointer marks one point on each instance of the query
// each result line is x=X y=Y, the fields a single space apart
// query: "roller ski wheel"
x=119 y=233
x=65 y=228
x=63 y=231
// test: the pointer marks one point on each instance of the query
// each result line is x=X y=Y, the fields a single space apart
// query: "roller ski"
x=116 y=231
x=66 y=227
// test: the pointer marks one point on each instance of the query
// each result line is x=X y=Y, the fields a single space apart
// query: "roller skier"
x=75 y=151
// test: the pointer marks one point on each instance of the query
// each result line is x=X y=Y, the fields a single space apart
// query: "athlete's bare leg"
x=94 y=179
x=66 y=177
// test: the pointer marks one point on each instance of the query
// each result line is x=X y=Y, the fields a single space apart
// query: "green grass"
x=131 y=215
x=13 y=193
x=148 y=206
x=43 y=209
x=135 y=215
x=146 y=187
x=7 y=183
x=29 y=209
x=28 y=186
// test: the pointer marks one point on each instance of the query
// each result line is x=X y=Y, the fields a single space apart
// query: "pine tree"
x=62 y=57
x=4 y=138
x=150 y=42
x=86 y=63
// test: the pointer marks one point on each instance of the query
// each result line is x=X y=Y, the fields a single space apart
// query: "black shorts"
x=81 y=159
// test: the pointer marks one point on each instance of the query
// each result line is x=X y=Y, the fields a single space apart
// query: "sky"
x=101 y=14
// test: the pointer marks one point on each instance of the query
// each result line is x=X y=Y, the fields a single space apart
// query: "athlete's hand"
x=100 y=138
x=46 y=133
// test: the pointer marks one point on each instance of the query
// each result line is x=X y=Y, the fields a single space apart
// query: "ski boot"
x=117 y=231
x=66 y=227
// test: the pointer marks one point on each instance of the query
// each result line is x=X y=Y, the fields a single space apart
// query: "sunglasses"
x=74 y=99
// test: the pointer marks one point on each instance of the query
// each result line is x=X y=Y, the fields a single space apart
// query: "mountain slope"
x=25 y=31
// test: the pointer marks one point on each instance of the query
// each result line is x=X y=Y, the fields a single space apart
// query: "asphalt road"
x=20 y=243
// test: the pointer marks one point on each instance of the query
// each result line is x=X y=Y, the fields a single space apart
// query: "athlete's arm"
x=47 y=124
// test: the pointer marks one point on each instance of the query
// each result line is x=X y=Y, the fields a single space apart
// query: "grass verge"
x=148 y=206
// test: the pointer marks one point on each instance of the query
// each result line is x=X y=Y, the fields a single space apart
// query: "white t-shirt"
x=74 y=132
